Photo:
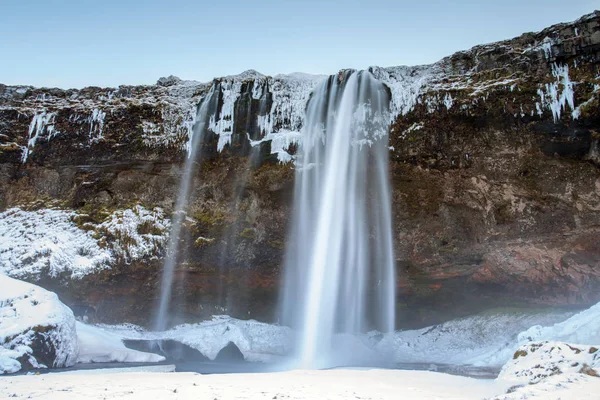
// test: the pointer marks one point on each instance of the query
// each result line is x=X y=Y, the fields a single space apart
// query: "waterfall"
x=205 y=111
x=339 y=273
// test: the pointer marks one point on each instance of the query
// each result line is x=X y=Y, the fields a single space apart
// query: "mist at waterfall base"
x=339 y=270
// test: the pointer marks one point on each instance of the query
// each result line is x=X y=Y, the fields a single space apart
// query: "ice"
x=97 y=345
x=557 y=95
x=42 y=123
x=258 y=342
x=96 y=121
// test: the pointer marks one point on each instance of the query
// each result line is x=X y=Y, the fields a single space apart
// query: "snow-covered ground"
x=299 y=384
x=541 y=369
x=328 y=384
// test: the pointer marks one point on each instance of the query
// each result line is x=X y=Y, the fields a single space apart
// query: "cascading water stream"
x=203 y=115
x=339 y=266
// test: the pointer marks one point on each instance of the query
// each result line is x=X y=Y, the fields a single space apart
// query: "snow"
x=97 y=345
x=487 y=340
x=47 y=241
x=258 y=342
x=136 y=233
x=23 y=307
x=581 y=328
x=328 y=384
x=534 y=362
x=8 y=361
x=557 y=387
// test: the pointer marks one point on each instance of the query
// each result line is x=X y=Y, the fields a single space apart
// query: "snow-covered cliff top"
x=469 y=74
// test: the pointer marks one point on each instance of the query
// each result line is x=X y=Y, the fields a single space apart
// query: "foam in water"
x=339 y=273
x=203 y=116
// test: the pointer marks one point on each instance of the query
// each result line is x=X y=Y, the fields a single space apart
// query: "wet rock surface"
x=172 y=350
x=496 y=198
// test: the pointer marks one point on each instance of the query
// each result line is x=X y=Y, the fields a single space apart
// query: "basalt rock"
x=494 y=163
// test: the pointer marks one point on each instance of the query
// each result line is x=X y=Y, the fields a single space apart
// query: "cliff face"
x=494 y=162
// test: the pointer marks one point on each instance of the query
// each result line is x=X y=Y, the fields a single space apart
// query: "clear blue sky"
x=76 y=43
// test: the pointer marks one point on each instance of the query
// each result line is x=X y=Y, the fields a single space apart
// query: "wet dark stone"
x=230 y=353
x=172 y=350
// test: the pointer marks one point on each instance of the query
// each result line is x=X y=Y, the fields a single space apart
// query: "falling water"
x=204 y=112
x=340 y=265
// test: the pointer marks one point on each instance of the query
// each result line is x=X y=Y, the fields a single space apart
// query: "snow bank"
x=258 y=342
x=557 y=387
x=485 y=340
x=582 y=328
x=534 y=362
x=299 y=385
x=97 y=345
x=35 y=328
x=48 y=241
x=488 y=339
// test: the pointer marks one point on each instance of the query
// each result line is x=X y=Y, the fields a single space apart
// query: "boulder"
x=537 y=361
x=36 y=329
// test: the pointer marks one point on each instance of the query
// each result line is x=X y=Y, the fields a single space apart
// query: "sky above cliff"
x=76 y=43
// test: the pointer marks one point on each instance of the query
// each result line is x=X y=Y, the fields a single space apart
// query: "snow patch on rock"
x=48 y=241
x=33 y=324
x=536 y=361
x=134 y=233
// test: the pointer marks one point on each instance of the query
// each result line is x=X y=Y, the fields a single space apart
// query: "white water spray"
x=340 y=266
x=194 y=158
